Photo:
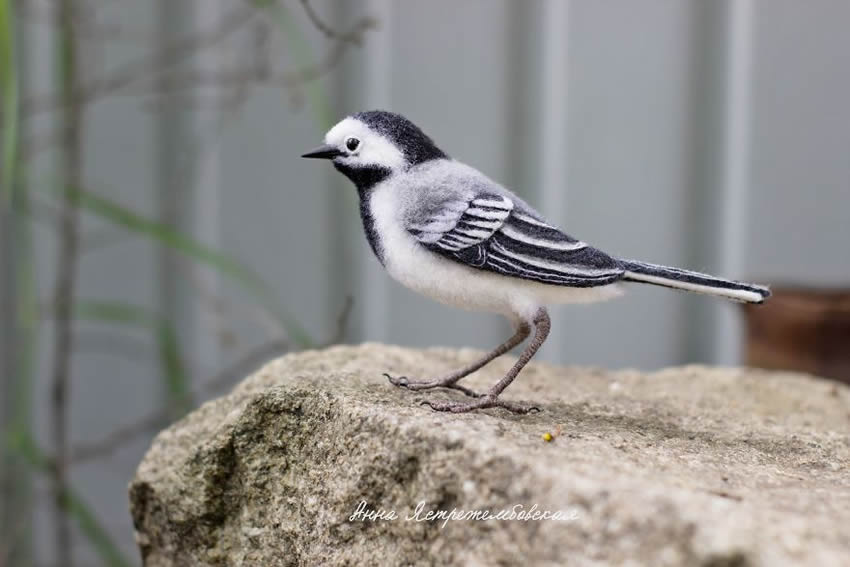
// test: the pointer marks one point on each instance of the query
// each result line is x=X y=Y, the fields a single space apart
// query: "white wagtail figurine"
x=444 y=229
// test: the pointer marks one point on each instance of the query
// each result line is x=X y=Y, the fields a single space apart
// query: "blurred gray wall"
x=710 y=135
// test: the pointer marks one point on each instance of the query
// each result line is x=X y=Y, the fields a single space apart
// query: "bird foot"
x=403 y=382
x=482 y=402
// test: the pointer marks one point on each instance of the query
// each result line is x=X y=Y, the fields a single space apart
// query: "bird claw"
x=483 y=403
x=400 y=381
x=403 y=382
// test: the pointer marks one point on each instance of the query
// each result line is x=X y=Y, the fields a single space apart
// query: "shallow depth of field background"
x=709 y=135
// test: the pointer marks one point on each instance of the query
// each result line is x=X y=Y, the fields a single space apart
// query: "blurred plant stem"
x=177 y=241
x=9 y=89
x=17 y=291
x=244 y=365
x=160 y=72
x=66 y=274
x=310 y=71
x=74 y=506
x=319 y=103
x=171 y=360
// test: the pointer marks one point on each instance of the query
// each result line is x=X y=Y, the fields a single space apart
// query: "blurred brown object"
x=804 y=329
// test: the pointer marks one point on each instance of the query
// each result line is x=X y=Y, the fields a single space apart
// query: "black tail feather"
x=688 y=280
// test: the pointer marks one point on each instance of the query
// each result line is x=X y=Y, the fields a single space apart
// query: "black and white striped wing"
x=490 y=233
x=461 y=229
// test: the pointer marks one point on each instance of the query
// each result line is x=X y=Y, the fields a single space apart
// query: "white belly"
x=453 y=283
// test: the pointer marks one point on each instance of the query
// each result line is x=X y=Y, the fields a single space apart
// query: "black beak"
x=323 y=152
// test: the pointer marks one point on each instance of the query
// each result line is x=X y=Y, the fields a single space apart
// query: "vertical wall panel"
x=736 y=179
x=629 y=104
x=554 y=148
x=797 y=228
x=204 y=219
x=706 y=30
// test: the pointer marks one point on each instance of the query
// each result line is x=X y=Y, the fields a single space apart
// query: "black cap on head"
x=417 y=146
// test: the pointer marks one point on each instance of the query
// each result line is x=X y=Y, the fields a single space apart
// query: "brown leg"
x=491 y=398
x=450 y=381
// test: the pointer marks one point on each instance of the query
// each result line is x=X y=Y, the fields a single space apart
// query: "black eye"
x=352 y=144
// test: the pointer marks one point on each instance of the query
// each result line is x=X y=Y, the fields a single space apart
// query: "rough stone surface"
x=687 y=466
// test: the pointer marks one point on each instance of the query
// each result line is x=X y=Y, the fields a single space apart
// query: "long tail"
x=693 y=281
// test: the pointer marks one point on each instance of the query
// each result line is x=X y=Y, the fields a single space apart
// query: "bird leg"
x=491 y=398
x=450 y=381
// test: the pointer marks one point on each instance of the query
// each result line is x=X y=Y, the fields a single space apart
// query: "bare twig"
x=64 y=291
x=146 y=67
x=355 y=35
x=155 y=420
x=239 y=369
x=74 y=98
x=141 y=68
x=229 y=98
x=192 y=79
x=222 y=307
x=146 y=73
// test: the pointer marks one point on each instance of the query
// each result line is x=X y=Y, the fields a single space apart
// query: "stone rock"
x=686 y=466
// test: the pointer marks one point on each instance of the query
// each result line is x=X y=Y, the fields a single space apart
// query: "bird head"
x=369 y=146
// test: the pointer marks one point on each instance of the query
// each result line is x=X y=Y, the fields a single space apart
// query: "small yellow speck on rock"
x=547 y=437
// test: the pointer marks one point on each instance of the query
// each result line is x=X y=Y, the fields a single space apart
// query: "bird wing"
x=492 y=232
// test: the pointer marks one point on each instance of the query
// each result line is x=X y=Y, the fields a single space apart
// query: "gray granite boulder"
x=686 y=466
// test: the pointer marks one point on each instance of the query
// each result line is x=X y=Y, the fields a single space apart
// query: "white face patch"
x=373 y=149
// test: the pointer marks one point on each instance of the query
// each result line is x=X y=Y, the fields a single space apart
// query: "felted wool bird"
x=444 y=229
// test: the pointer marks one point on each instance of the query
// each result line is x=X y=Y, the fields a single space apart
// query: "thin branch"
x=258 y=74
x=141 y=68
x=144 y=75
x=191 y=79
x=66 y=275
x=231 y=99
x=151 y=64
x=355 y=35
x=155 y=420
x=221 y=307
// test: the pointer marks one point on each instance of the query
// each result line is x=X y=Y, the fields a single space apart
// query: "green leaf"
x=9 y=92
x=115 y=213
x=176 y=379
x=74 y=505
